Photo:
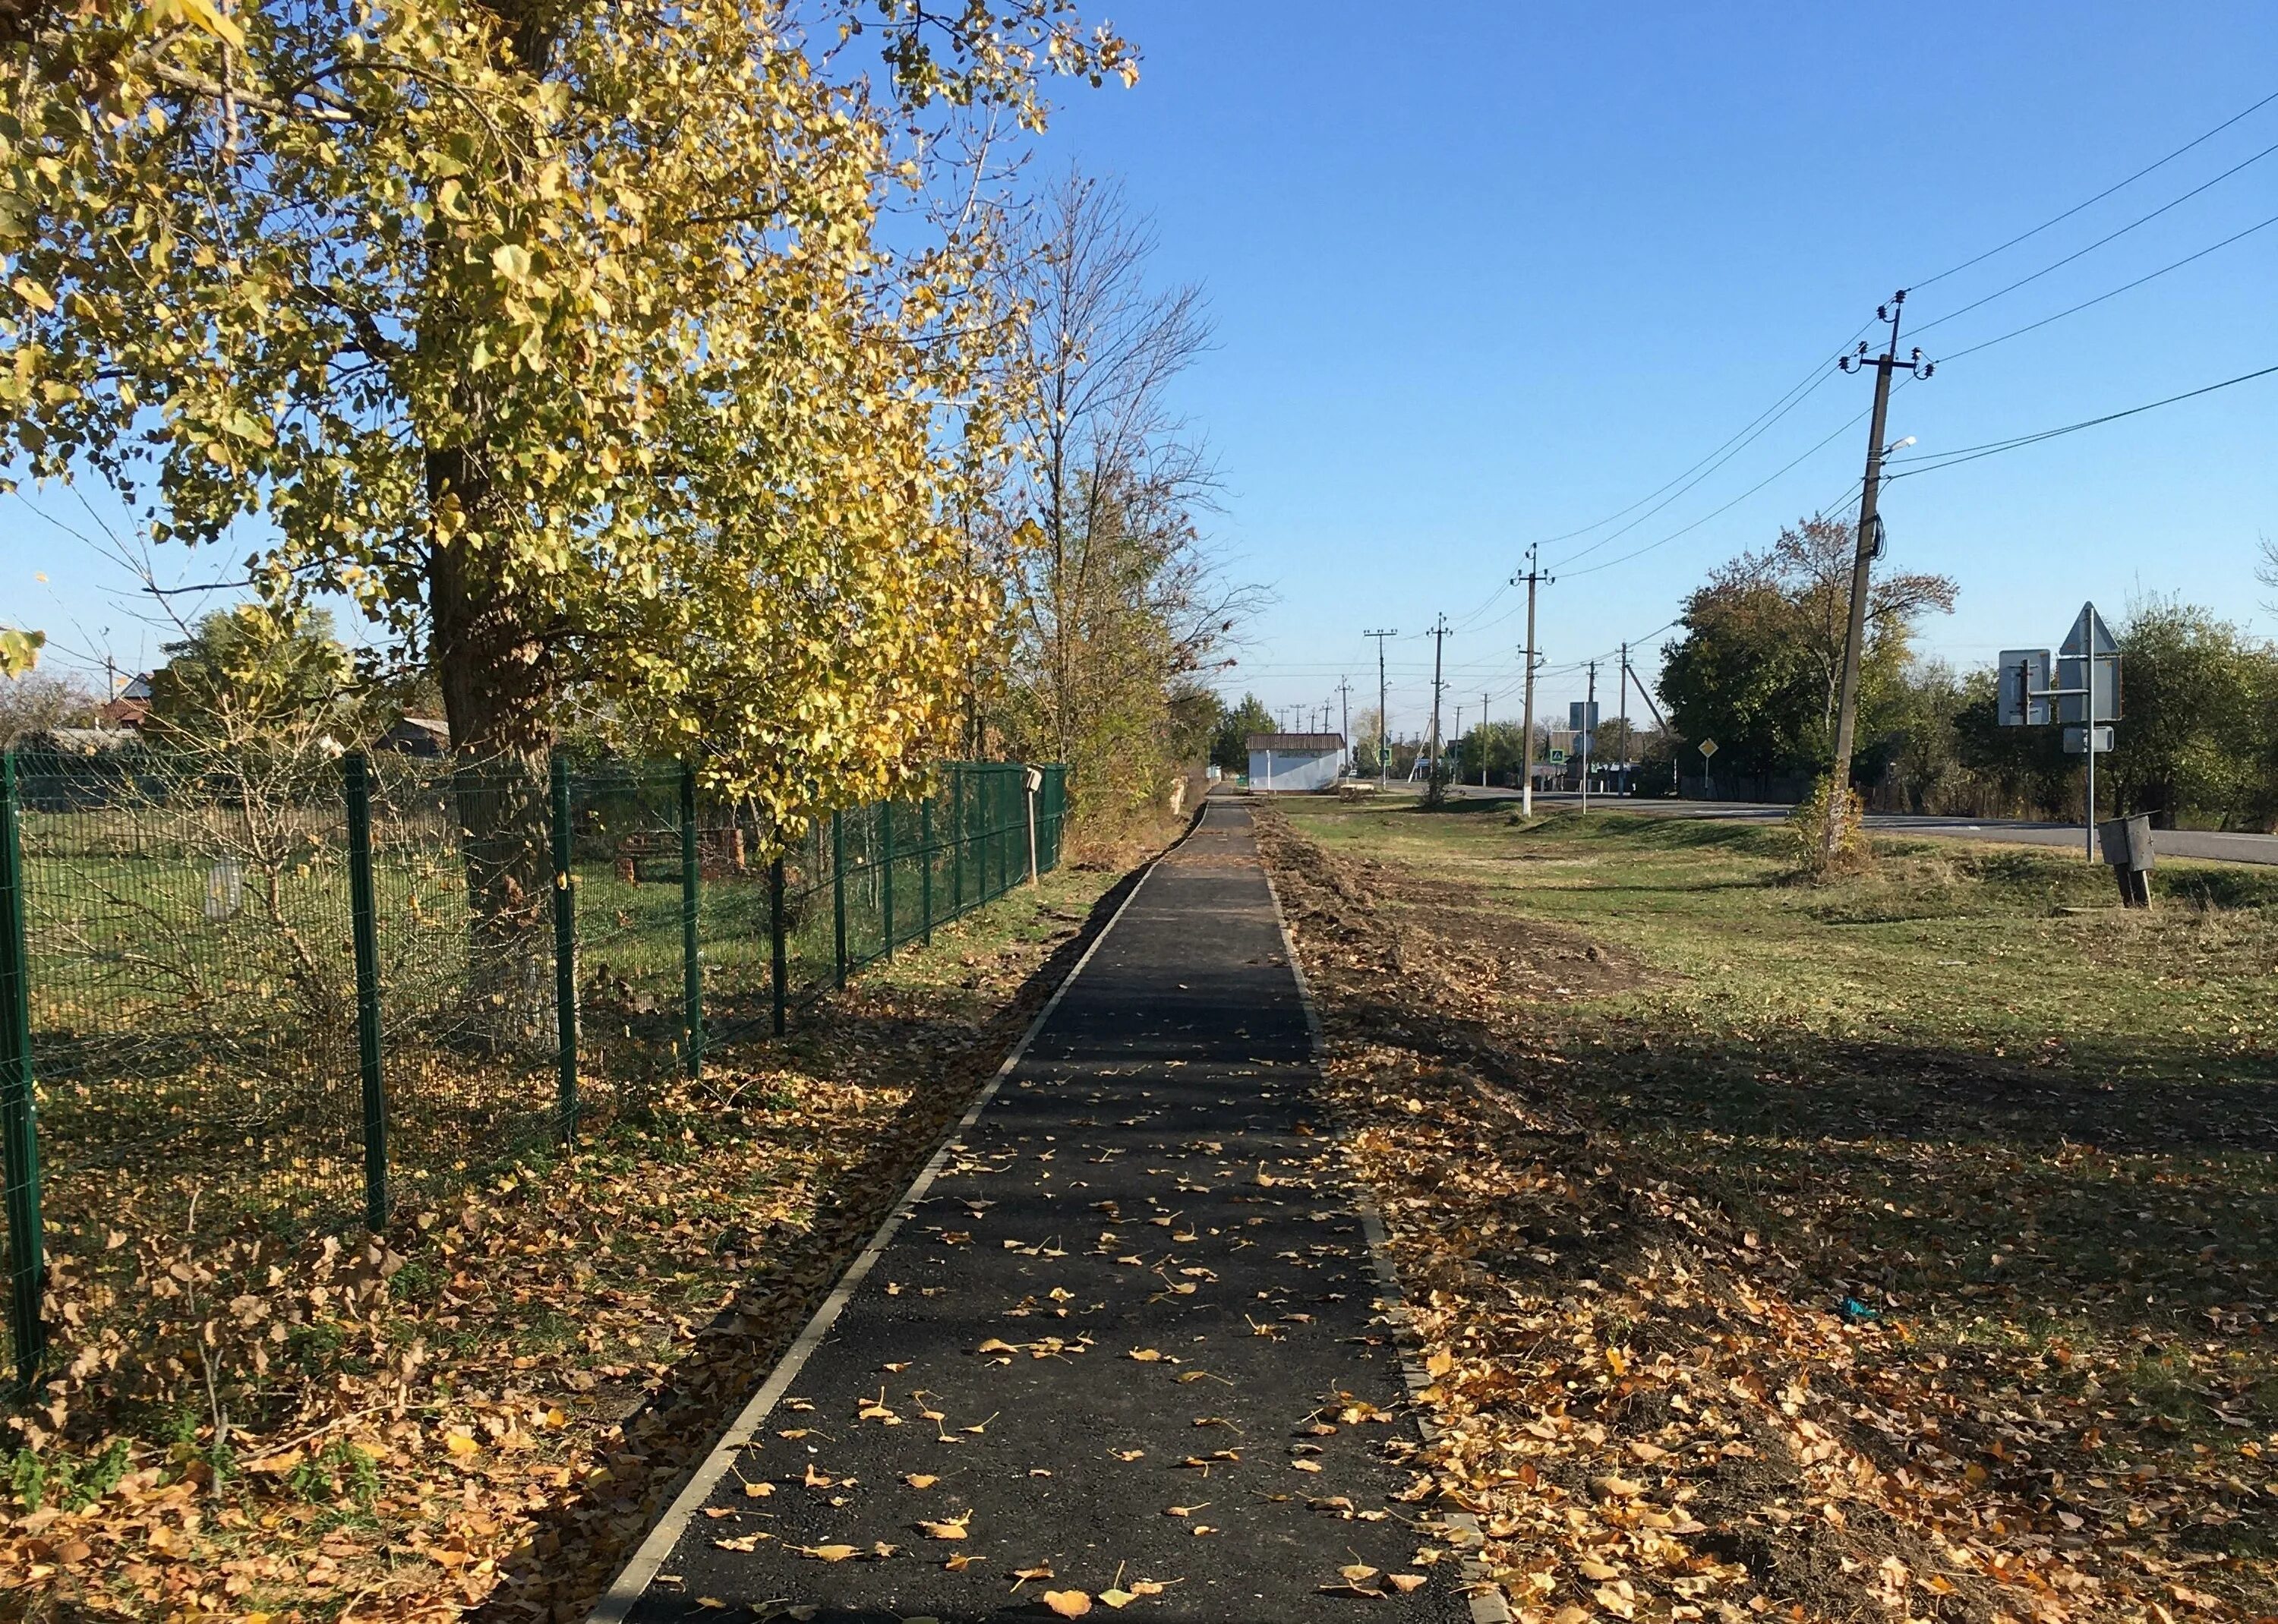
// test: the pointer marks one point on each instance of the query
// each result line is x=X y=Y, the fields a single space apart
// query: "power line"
x=1714 y=512
x=1779 y=408
x=1933 y=461
x=2117 y=185
x=1809 y=381
x=2109 y=237
x=1736 y=449
x=2115 y=293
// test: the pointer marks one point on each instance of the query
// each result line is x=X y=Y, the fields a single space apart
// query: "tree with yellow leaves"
x=562 y=336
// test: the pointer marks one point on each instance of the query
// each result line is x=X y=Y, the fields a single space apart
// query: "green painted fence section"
x=309 y=992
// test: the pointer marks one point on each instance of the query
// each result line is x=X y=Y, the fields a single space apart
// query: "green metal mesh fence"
x=302 y=992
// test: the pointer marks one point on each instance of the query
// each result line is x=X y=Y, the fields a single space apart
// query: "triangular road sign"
x=2089 y=635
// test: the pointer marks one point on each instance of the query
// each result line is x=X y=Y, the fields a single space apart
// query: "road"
x=2213 y=848
x=1127 y=1339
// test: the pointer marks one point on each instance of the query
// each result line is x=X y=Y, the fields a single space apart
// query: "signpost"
x=1707 y=751
x=2083 y=682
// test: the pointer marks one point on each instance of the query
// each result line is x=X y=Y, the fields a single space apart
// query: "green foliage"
x=2199 y=697
x=1498 y=747
x=1758 y=665
x=1822 y=851
x=254 y=669
x=1230 y=743
x=71 y=1483
x=340 y=1472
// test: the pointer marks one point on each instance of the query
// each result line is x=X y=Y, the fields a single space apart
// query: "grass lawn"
x=1987 y=1159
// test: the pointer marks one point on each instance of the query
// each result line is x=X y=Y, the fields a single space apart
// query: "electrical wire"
x=1810 y=380
x=2109 y=237
x=1931 y=463
x=1715 y=511
x=2115 y=293
x=2117 y=185
x=1614 y=536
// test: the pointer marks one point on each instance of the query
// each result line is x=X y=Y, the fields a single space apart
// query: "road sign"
x=2089 y=643
x=1708 y=747
x=2024 y=674
x=2089 y=635
x=2075 y=741
x=1557 y=758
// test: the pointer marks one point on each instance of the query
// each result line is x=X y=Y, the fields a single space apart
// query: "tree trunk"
x=495 y=669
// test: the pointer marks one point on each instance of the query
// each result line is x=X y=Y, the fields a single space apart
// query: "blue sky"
x=1487 y=275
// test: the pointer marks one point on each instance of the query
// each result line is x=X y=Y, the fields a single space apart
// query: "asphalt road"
x=1133 y=1331
x=2165 y=843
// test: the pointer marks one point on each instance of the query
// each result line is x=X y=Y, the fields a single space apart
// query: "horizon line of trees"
x=1757 y=658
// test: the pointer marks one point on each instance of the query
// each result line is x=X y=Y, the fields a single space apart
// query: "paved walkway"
x=1123 y=1337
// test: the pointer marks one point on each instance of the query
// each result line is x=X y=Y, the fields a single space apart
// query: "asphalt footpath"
x=1125 y=1355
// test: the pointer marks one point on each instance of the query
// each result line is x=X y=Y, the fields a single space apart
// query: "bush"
x=1849 y=852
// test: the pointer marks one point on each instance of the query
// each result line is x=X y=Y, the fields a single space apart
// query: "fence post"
x=20 y=1134
x=886 y=870
x=565 y=953
x=692 y=967
x=925 y=870
x=956 y=842
x=364 y=927
x=778 y=949
x=838 y=894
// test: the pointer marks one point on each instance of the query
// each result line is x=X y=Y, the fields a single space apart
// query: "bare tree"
x=1121 y=610
x=39 y=702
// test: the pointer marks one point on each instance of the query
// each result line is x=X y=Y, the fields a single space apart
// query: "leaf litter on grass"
x=1680 y=1371
x=483 y=1409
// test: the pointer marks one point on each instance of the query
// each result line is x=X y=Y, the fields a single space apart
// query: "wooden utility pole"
x=1622 y=783
x=1869 y=545
x=1383 y=720
x=1483 y=741
x=1532 y=577
x=1589 y=731
x=1438 y=646
x=1344 y=713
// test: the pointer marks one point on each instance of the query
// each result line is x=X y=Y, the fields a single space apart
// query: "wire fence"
x=306 y=993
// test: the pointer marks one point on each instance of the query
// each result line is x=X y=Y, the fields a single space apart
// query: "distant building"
x=79 y=742
x=417 y=736
x=132 y=706
x=1295 y=761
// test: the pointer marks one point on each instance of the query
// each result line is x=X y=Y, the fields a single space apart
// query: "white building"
x=1295 y=761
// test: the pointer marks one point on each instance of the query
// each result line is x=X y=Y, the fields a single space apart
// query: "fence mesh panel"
x=289 y=991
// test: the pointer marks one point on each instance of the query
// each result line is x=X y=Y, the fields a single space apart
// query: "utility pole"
x=1438 y=646
x=1383 y=722
x=1483 y=741
x=1869 y=546
x=1589 y=731
x=1532 y=577
x=1622 y=784
x=1344 y=714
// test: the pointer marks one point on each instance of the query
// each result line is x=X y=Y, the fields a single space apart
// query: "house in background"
x=425 y=736
x=132 y=706
x=1295 y=761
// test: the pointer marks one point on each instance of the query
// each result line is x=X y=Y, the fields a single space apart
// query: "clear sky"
x=1489 y=273
x=1483 y=273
